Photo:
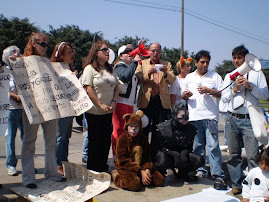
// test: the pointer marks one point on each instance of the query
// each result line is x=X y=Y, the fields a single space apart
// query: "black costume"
x=175 y=146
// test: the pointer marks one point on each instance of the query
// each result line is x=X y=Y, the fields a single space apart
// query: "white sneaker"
x=223 y=147
x=11 y=171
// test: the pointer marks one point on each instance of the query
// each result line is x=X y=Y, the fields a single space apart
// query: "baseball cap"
x=123 y=48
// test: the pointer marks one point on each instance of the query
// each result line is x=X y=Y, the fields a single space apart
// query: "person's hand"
x=241 y=81
x=266 y=198
x=146 y=177
x=203 y=89
x=245 y=200
x=105 y=108
x=163 y=69
x=152 y=70
x=137 y=58
x=186 y=94
x=113 y=106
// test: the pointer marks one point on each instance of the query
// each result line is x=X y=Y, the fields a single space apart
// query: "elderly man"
x=203 y=86
x=154 y=98
x=250 y=87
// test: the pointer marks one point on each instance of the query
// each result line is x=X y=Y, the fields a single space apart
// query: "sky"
x=162 y=25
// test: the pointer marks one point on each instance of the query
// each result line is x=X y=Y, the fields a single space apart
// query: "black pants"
x=99 y=136
x=156 y=114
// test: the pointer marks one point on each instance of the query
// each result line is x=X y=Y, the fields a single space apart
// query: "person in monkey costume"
x=133 y=158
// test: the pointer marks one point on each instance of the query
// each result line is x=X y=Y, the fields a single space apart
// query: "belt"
x=240 y=116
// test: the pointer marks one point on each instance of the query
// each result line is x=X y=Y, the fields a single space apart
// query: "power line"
x=190 y=13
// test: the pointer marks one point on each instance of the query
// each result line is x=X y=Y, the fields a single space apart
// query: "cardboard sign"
x=48 y=90
x=4 y=99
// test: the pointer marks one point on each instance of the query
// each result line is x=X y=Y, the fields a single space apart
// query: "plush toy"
x=132 y=159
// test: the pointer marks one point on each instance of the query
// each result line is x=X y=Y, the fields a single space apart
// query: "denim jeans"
x=64 y=133
x=202 y=138
x=224 y=115
x=238 y=130
x=85 y=140
x=14 y=123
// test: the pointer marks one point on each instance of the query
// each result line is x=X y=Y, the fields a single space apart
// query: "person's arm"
x=125 y=72
x=92 y=95
x=227 y=93
x=14 y=96
x=260 y=90
x=115 y=98
x=123 y=158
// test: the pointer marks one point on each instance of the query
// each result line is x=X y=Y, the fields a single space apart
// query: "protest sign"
x=81 y=185
x=48 y=90
x=4 y=99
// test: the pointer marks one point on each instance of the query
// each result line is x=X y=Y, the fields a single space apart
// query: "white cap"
x=124 y=47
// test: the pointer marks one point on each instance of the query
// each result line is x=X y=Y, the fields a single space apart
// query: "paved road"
x=174 y=187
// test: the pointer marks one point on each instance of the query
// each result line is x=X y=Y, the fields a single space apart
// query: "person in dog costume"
x=133 y=158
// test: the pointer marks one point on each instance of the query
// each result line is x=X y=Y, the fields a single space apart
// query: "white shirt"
x=177 y=88
x=203 y=106
x=257 y=185
x=260 y=91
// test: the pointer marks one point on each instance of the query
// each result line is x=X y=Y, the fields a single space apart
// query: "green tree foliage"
x=221 y=69
x=15 y=32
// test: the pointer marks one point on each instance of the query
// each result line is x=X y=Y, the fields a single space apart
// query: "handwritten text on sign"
x=48 y=90
x=4 y=99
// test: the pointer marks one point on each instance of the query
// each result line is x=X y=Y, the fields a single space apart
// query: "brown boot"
x=60 y=170
x=114 y=174
x=236 y=191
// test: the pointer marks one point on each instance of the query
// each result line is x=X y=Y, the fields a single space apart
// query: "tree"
x=15 y=32
x=221 y=69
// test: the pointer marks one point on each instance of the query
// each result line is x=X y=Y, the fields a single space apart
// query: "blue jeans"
x=86 y=140
x=224 y=115
x=203 y=137
x=14 y=123
x=238 y=130
x=64 y=133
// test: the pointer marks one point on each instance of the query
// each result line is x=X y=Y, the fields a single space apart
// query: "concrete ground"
x=173 y=188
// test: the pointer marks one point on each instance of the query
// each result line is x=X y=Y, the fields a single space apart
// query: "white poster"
x=81 y=185
x=4 y=99
x=48 y=90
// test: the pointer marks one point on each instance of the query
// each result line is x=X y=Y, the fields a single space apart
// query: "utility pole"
x=182 y=28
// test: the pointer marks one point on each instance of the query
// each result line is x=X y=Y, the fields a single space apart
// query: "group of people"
x=183 y=114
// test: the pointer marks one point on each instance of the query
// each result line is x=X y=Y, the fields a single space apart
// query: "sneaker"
x=11 y=171
x=219 y=184
x=201 y=174
x=236 y=191
x=31 y=186
x=223 y=147
x=84 y=160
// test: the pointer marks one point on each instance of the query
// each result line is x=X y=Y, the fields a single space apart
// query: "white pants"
x=28 y=150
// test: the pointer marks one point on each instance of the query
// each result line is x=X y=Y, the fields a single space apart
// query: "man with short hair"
x=203 y=107
x=249 y=87
x=154 y=98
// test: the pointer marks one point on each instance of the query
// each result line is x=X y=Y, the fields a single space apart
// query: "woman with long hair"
x=63 y=52
x=102 y=86
x=37 y=45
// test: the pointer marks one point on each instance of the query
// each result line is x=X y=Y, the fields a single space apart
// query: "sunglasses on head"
x=104 y=49
x=43 y=44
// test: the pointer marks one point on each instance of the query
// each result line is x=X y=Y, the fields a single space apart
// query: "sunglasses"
x=104 y=49
x=43 y=44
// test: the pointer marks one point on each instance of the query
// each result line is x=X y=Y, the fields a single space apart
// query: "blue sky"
x=158 y=25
